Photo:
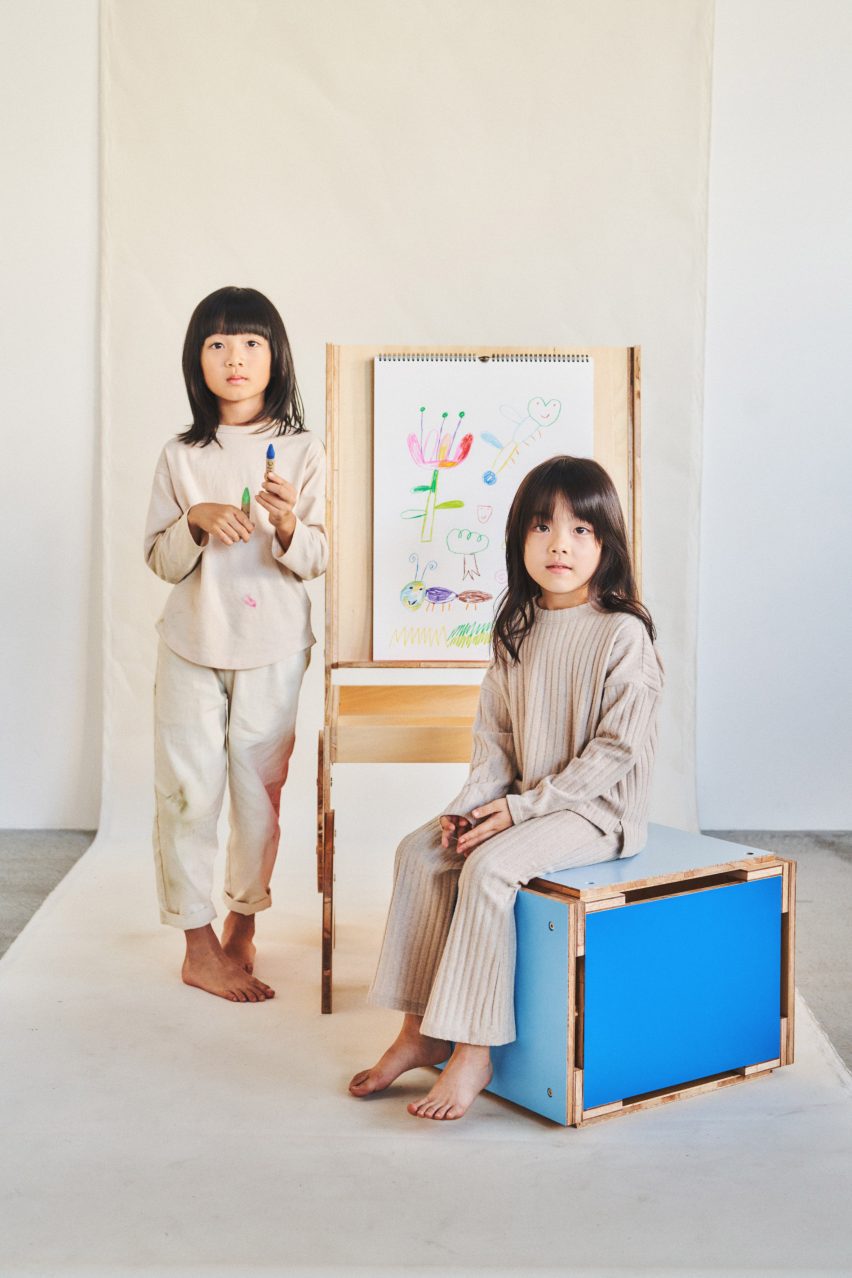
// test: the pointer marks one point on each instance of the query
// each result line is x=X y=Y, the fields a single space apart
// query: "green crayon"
x=246 y=503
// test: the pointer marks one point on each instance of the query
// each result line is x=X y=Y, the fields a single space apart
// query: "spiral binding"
x=440 y=358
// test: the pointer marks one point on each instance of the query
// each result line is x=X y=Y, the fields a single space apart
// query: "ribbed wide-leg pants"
x=449 y=948
x=214 y=727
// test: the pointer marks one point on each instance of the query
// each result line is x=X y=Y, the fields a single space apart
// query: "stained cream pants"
x=449 y=948
x=213 y=726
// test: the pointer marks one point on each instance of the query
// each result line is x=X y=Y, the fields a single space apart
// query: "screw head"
x=550 y=1091
x=551 y=926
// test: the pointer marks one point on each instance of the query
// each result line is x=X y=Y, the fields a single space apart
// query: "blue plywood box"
x=649 y=978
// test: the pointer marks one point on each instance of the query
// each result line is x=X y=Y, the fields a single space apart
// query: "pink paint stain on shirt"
x=252 y=603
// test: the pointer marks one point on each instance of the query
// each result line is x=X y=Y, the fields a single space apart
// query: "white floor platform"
x=150 y=1129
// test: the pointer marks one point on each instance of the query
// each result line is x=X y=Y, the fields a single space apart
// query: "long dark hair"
x=240 y=310
x=588 y=490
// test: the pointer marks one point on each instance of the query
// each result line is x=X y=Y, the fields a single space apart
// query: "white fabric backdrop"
x=776 y=591
x=50 y=637
x=423 y=172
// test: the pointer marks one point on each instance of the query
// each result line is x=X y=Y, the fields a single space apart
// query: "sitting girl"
x=560 y=774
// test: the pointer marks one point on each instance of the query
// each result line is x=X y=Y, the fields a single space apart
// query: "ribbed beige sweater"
x=573 y=725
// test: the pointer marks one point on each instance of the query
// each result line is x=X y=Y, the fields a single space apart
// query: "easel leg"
x=320 y=812
x=327 y=910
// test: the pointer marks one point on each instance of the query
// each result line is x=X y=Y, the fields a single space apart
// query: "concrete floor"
x=32 y=862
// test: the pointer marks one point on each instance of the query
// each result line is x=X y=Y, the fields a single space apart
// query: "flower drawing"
x=438 y=450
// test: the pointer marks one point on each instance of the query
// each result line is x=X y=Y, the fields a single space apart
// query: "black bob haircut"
x=586 y=487
x=233 y=310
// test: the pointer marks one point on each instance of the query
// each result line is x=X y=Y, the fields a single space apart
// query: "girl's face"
x=236 y=368
x=561 y=555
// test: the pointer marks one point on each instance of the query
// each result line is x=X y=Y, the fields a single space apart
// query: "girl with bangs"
x=563 y=752
x=235 y=524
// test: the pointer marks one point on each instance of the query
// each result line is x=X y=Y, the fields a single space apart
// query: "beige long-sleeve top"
x=573 y=725
x=235 y=607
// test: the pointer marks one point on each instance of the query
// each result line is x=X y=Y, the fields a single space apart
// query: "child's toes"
x=426 y=1108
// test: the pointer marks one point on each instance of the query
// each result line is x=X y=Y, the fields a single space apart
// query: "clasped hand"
x=229 y=523
x=491 y=818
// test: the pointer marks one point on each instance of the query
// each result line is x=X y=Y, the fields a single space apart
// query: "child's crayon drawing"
x=451 y=570
x=438 y=451
x=468 y=544
x=527 y=427
x=413 y=592
x=466 y=635
x=419 y=637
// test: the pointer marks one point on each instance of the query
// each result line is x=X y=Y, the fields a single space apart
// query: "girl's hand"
x=228 y=523
x=491 y=818
x=451 y=828
x=278 y=497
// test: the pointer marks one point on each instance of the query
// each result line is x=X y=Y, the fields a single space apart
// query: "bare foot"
x=238 y=940
x=468 y=1071
x=409 y=1050
x=209 y=968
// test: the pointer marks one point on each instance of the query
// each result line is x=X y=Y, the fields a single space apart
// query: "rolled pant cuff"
x=198 y=918
x=247 y=907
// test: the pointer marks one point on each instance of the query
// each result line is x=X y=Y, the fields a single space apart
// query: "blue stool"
x=643 y=980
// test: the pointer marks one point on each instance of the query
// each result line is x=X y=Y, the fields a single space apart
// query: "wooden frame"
x=581 y=903
x=409 y=722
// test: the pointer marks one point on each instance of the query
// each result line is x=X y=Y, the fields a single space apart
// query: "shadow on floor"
x=32 y=862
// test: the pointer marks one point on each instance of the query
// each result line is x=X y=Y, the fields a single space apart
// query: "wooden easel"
x=409 y=723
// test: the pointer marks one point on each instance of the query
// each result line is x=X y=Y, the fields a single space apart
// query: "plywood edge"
x=409 y=665
x=760 y=872
x=606 y=903
x=601 y=1113
x=332 y=393
x=571 y=1010
x=605 y=890
x=788 y=957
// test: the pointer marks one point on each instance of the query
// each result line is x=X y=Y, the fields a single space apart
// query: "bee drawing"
x=527 y=427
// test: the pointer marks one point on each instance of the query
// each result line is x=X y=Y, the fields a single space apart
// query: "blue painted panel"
x=667 y=853
x=537 y=1059
x=680 y=988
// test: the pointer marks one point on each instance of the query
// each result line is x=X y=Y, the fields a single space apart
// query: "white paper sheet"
x=453 y=438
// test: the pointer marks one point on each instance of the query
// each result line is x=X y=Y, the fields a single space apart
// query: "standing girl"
x=236 y=525
x=563 y=750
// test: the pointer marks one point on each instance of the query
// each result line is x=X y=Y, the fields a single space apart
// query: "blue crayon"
x=270 y=460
